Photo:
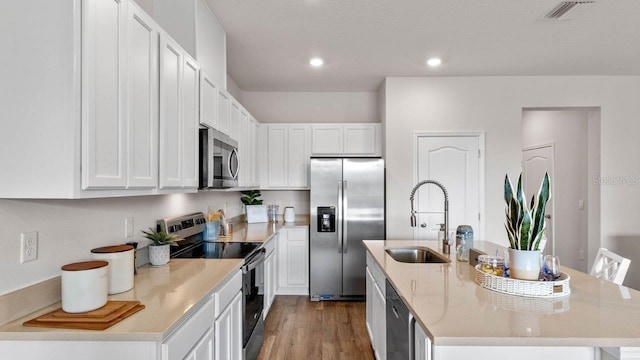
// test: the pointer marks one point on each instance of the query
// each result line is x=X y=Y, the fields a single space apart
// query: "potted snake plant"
x=525 y=227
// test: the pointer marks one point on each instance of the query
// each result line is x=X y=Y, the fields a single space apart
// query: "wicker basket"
x=540 y=289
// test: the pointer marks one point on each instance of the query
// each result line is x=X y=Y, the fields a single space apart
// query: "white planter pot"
x=159 y=255
x=524 y=265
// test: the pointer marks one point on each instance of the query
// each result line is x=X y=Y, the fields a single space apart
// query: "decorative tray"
x=528 y=288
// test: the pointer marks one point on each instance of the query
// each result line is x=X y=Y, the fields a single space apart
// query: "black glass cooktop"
x=213 y=250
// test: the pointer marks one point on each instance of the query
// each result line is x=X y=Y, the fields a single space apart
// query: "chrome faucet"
x=446 y=246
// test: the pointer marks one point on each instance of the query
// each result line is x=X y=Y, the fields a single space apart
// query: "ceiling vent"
x=567 y=10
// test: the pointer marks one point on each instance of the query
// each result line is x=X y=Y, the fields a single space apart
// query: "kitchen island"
x=462 y=320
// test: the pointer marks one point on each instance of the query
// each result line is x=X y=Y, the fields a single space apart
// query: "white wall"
x=234 y=90
x=299 y=199
x=494 y=105
x=312 y=107
x=567 y=130
x=69 y=229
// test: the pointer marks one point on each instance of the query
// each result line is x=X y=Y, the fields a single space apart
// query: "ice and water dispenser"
x=326 y=219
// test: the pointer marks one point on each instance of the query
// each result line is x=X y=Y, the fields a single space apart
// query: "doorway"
x=457 y=161
x=566 y=141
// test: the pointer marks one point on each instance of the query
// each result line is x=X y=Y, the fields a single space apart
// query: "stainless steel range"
x=191 y=228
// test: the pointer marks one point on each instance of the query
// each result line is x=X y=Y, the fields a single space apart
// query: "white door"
x=190 y=121
x=454 y=161
x=171 y=62
x=103 y=94
x=535 y=162
x=143 y=77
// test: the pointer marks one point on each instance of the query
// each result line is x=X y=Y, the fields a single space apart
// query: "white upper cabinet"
x=346 y=140
x=285 y=156
x=143 y=95
x=326 y=139
x=192 y=25
x=224 y=111
x=208 y=101
x=179 y=116
x=104 y=94
x=234 y=119
x=97 y=110
x=190 y=121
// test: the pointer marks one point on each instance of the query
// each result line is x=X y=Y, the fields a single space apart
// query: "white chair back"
x=610 y=266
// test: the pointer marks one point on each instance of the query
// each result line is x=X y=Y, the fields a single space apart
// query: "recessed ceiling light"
x=316 y=62
x=433 y=62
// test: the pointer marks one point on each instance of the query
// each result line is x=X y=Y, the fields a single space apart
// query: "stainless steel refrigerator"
x=347 y=206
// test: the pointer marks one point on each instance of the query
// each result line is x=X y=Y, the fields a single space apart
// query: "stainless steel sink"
x=416 y=254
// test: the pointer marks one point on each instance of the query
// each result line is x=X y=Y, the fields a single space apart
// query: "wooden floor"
x=297 y=328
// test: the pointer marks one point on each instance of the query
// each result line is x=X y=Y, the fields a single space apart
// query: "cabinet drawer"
x=377 y=273
x=180 y=343
x=224 y=296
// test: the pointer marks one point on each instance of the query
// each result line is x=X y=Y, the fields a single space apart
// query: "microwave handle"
x=233 y=153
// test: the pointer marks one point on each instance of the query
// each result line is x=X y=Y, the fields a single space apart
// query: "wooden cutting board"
x=100 y=319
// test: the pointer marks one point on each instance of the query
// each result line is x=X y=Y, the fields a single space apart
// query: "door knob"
x=423 y=225
x=547 y=216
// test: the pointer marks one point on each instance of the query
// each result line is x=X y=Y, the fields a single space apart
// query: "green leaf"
x=541 y=204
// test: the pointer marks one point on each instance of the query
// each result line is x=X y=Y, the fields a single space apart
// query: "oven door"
x=253 y=302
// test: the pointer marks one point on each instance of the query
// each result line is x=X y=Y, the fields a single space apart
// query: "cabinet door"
x=277 y=141
x=254 y=130
x=243 y=150
x=190 y=121
x=171 y=62
x=204 y=348
x=143 y=94
x=298 y=156
x=224 y=104
x=269 y=282
x=234 y=119
x=360 y=139
x=293 y=261
x=104 y=94
x=422 y=344
x=371 y=284
x=327 y=139
x=379 y=324
x=208 y=101
x=228 y=331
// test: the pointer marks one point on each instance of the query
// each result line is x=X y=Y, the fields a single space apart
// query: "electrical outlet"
x=581 y=254
x=128 y=227
x=28 y=246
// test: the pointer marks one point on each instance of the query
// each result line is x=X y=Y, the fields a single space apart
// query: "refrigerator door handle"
x=345 y=244
x=339 y=217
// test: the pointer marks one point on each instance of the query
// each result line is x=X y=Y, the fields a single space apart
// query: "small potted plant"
x=256 y=212
x=525 y=228
x=159 y=249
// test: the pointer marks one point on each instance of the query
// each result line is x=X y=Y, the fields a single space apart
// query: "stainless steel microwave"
x=219 y=162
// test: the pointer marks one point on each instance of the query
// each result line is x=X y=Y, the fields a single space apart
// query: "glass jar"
x=491 y=264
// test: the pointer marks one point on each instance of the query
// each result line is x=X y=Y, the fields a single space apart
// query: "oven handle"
x=255 y=261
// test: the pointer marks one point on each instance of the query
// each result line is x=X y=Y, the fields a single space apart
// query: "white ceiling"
x=270 y=42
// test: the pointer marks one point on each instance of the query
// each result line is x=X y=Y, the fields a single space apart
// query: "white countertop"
x=454 y=310
x=168 y=293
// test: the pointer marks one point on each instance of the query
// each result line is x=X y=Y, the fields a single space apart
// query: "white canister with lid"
x=289 y=214
x=121 y=267
x=84 y=286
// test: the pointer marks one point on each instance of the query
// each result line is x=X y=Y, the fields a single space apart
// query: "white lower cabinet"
x=228 y=331
x=376 y=309
x=293 y=261
x=182 y=342
x=204 y=348
x=422 y=344
x=270 y=274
